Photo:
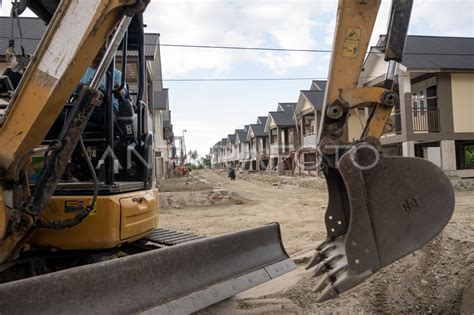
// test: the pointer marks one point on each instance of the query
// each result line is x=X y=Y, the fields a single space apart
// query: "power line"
x=243 y=48
x=274 y=49
x=295 y=49
x=238 y=79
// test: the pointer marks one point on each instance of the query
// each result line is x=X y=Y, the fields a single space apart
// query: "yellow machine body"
x=116 y=219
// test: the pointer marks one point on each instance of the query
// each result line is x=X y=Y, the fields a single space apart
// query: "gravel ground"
x=431 y=280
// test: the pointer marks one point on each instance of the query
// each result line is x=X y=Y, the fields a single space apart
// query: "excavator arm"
x=75 y=35
x=380 y=208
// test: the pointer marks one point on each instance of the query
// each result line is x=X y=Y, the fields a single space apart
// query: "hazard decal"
x=351 y=42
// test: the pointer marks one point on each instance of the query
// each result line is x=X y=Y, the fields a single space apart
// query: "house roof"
x=286 y=107
x=318 y=85
x=283 y=119
x=33 y=29
x=231 y=139
x=224 y=141
x=160 y=99
x=436 y=52
x=241 y=136
x=316 y=98
x=262 y=120
x=258 y=130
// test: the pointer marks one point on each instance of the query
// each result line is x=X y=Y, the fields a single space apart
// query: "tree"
x=193 y=156
x=205 y=161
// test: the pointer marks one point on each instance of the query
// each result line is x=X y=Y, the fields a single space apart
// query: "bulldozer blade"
x=175 y=280
x=380 y=210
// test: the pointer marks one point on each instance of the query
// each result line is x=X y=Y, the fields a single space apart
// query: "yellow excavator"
x=82 y=236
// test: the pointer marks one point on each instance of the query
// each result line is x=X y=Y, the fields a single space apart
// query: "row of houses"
x=433 y=120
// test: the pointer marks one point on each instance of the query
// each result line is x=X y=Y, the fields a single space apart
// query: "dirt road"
x=431 y=280
x=298 y=210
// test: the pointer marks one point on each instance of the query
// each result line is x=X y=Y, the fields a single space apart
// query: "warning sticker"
x=93 y=211
x=351 y=42
x=353 y=34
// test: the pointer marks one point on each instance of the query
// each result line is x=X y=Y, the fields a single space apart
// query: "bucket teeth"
x=320 y=254
x=327 y=293
x=320 y=269
x=323 y=282
x=316 y=259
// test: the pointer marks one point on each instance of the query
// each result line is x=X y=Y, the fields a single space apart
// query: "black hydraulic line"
x=78 y=218
x=53 y=169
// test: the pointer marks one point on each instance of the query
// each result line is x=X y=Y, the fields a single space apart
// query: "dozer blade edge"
x=178 y=280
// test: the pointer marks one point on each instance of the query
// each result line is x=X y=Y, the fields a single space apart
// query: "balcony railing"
x=309 y=140
x=426 y=119
x=274 y=149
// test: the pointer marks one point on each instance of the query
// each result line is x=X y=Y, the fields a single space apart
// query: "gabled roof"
x=33 y=29
x=258 y=130
x=314 y=98
x=224 y=141
x=318 y=85
x=231 y=139
x=241 y=135
x=436 y=52
x=160 y=99
x=283 y=107
x=282 y=119
x=262 y=120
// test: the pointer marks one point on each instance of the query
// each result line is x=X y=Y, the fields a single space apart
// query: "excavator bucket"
x=178 y=280
x=380 y=209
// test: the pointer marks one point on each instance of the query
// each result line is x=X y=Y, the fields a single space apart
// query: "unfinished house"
x=281 y=130
x=242 y=146
x=163 y=133
x=215 y=155
x=308 y=116
x=223 y=153
x=33 y=29
x=259 y=145
x=435 y=116
x=232 y=157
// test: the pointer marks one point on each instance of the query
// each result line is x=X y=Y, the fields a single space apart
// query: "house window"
x=465 y=154
x=425 y=106
x=274 y=136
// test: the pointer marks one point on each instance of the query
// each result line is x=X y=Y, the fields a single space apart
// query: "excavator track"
x=166 y=237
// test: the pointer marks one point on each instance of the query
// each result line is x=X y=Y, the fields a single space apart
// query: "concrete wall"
x=463 y=101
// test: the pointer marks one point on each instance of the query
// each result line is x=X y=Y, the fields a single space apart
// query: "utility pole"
x=183 y=148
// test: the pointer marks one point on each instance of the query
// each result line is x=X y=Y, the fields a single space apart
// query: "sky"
x=211 y=110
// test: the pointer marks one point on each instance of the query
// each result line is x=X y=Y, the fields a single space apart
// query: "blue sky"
x=211 y=110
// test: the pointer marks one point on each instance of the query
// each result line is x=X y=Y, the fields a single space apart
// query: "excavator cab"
x=88 y=235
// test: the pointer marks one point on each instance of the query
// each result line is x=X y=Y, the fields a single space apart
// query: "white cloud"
x=290 y=24
x=306 y=24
